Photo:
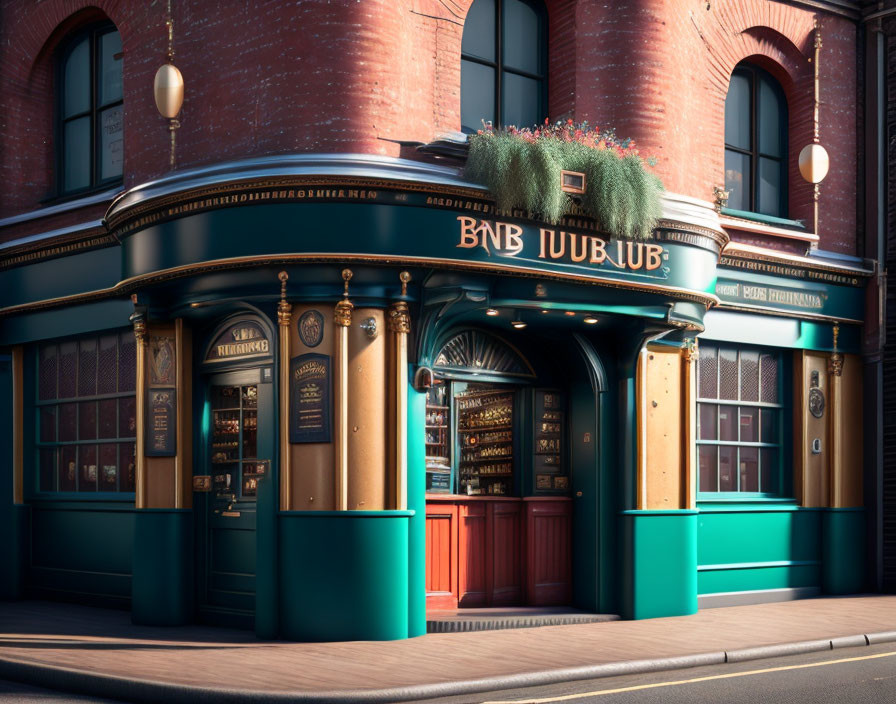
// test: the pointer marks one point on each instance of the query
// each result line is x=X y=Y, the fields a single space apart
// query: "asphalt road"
x=864 y=675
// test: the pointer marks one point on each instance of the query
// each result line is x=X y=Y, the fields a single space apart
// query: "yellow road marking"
x=582 y=695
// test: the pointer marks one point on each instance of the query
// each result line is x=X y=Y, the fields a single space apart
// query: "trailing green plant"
x=521 y=167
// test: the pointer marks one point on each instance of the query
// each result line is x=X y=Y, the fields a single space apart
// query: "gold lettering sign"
x=506 y=239
x=243 y=339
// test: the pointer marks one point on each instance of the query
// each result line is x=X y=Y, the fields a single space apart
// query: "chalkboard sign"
x=160 y=427
x=309 y=398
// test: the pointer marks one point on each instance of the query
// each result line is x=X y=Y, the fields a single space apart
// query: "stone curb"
x=112 y=686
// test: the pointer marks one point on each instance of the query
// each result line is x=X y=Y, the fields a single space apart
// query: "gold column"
x=400 y=327
x=18 y=424
x=641 y=430
x=690 y=356
x=342 y=316
x=284 y=311
x=183 y=461
x=139 y=321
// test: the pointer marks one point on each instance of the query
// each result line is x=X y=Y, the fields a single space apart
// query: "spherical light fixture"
x=814 y=163
x=168 y=88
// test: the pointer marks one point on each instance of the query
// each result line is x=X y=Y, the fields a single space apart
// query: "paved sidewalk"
x=100 y=652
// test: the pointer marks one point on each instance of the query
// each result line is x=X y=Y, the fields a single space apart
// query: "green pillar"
x=162 y=577
x=417 y=504
x=843 y=550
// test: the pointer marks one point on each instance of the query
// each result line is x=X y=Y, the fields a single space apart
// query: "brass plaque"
x=202 y=482
x=231 y=514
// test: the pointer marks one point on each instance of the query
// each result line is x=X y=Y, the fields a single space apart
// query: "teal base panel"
x=843 y=550
x=13 y=549
x=162 y=573
x=343 y=575
x=659 y=564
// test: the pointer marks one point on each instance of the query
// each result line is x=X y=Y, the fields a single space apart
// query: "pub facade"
x=320 y=393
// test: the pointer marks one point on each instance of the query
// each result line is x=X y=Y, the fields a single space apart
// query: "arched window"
x=503 y=64
x=756 y=143
x=90 y=113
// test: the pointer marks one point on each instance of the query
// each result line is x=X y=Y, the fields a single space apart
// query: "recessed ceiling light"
x=545 y=311
x=518 y=324
x=491 y=311
x=570 y=313
x=591 y=320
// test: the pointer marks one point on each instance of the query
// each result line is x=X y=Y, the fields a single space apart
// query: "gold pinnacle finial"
x=346 y=277
x=284 y=277
x=405 y=277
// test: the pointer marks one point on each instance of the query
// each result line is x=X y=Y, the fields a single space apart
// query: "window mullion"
x=499 y=59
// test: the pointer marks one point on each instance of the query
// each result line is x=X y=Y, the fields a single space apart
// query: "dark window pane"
x=728 y=423
x=749 y=469
x=728 y=381
x=707 y=372
x=68 y=422
x=477 y=95
x=769 y=420
x=737 y=180
x=521 y=39
x=749 y=424
x=108 y=419
x=68 y=369
x=127 y=362
x=108 y=364
x=707 y=421
x=479 y=31
x=48 y=468
x=127 y=417
x=111 y=142
x=48 y=424
x=769 y=374
x=521 y=102
x=737 y=112
x=770 y=114
x=87 y=420
x=708 y=472
x=87 y=479
x=727 y=476
x=126 y=450
x=770 y=187
x=87 y=368
x=109 y=88
x=108 y=469
x=769 y=470
x=68 y=468
x=76 y=88
x=749 y=376
x=46 y=387
x=76 y=157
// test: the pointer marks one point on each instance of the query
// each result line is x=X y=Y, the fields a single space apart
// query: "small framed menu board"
x=549 y=435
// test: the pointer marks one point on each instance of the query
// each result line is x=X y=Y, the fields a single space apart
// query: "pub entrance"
x=498 y=506
x=236 y=445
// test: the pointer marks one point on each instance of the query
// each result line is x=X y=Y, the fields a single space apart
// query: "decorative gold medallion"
x=311 y=328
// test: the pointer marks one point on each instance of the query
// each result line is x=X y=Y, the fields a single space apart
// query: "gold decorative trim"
x=399 y=317
x=136 y=282
x=675 y=231
x=75 y=243
x=18 y=424
x=835 y=363
x=747 y=308
x=284 y=315
x=794 y=266
x=140 y=498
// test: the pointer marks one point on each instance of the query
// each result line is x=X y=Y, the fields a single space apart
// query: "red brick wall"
x=347 y=76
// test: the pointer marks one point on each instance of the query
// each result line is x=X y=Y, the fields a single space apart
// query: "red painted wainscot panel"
x=472 y=587
x=548 y=539
x=504 y=553
x=441 y=556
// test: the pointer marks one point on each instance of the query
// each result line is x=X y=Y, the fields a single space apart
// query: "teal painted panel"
x=76 y=585
x=844 y=551
x=417 y=504
x=343 y=576
x=162 y=584
x=233 y=551
x=660 y=564
x=758 y=536
x=712 y=582
x=77 y=540
x=62 y=322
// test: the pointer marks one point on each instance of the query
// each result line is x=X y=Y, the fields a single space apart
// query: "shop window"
x=756 y=143
x=740 y=422
x=86 y=414
x=503 y=64
x=90 y=111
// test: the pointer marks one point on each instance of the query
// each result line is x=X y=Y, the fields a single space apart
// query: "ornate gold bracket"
x=344 y=308
x=399 y=314
x=835 y=363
